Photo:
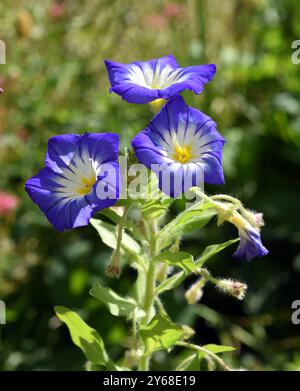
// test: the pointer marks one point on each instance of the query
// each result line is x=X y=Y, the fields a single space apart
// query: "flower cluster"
x=181 y=145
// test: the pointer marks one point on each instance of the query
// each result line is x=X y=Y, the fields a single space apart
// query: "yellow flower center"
x=87 y=184
x=182 y=153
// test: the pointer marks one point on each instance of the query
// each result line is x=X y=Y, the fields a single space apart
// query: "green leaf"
x=83 y=336
x=156 y=204
x=186 y=363
x=130 y=248
x=187 y=221
x=154 y=209
x=185 y=261
x=171 y=282
x=117 y=305
x=180 y=259
x=212 y=250
x=218 y=348
x=160 y=333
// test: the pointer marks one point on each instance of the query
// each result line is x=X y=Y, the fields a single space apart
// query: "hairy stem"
x=150 y=291
x=113 y=268
x=205 y=274
x=216 y=358
x=149 y=295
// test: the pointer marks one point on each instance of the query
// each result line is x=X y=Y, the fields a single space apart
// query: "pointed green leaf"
x=130 y=248
x=171 y=282
x=187 y=221
x=154 y=209
x=212 y=250
x=180 y=259
x=186 y=363
x=160 y=333
x=117 y=305
x=83 y=336
x=218 y=348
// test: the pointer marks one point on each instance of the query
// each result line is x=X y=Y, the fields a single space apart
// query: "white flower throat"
x=155 y=78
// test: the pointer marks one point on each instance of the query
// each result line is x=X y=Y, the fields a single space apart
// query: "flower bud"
x=195 y=292
x=131 y=358
x=163 y=271
x=225 y=213
x=113 y=269
x=188 y=332
x=254 y=218
x=234 y=288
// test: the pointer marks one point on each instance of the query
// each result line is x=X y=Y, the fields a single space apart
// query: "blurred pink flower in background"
x=156 y=21
x=1 y=84
x=22 y=134
x=171 y=11
x=57 y=10
x=8 y=203
x=174 y=10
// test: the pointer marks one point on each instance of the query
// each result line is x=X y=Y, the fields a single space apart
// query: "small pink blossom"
x=57 y=10
x=156 y=21
x=174 y=10
x=8 y=203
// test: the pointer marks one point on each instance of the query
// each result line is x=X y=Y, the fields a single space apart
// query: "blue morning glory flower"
x=162 y=78
x=80 y=177
x=250 y=245
x=248 y=225
x=182 y=146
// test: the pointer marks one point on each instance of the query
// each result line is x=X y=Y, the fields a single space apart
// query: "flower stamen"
x=87 y=184
x=182 y=153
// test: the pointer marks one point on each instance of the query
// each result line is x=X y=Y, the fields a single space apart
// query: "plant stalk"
x=149 y=295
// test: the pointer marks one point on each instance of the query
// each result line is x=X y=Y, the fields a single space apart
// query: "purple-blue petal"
x=250 y=245
x=192 y=78
x=133 y=93
x=196 y=78
x=102 y=147
x=61 y=150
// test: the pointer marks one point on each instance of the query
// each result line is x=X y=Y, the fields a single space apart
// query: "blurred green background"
x=55 y=82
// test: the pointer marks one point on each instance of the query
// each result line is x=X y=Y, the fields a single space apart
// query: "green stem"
x=113 y=269
x=120 y=229
x=201 y=194
x=149 y=290
x=185 y=363
x=226 y=197
x=216 y=358
x=205 y=274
